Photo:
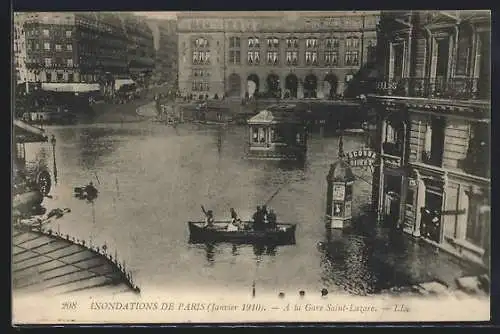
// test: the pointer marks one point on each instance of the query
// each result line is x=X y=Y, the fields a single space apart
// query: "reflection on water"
x=153 y=179
x=212 y=249
x=366 y=261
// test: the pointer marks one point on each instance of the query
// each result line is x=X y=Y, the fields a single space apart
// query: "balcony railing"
x=452 y=88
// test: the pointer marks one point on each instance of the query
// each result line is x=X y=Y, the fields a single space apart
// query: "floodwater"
x=153 y=178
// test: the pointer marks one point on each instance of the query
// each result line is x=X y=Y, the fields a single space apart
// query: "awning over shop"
x=25 y=133
x=70 y=87
x=121 y=82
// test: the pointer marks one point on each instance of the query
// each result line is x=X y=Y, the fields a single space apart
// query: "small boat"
x=283 y=234
x=88 y=192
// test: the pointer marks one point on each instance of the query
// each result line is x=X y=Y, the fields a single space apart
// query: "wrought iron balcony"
x=452 y=88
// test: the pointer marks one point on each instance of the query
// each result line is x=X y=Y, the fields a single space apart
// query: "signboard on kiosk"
x=363 y=158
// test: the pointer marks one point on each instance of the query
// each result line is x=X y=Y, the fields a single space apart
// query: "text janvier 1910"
x=245 y=307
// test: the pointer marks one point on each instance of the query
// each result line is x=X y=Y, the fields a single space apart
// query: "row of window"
x=32 y=45
x=201 y=73
x=311 y=58
x=273 y=42
x=48 y=62
x=46 y=33
x=201 y=57
x=200 y=86
x=59 y=77
x=47 y=47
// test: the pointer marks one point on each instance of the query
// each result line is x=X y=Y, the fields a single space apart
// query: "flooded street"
x=153 y=178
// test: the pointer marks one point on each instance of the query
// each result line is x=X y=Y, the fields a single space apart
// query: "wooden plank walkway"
x=53 y=264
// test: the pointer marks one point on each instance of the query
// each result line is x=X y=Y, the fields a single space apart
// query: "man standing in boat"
x=264 y=214
x=258 y=218
x=209 y=220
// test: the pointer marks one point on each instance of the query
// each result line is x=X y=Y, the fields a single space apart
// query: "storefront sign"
x=361 y=158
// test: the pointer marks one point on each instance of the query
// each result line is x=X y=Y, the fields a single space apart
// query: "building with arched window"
x=295 y=54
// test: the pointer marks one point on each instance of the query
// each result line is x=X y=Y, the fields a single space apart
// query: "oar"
x=274 y=194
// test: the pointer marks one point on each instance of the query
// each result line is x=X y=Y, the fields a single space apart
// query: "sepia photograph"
x=250 y=166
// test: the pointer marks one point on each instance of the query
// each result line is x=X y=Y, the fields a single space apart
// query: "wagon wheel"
x=44 y=183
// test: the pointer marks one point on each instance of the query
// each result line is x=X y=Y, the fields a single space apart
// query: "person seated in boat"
x=235 y=221
x=209 y=220
x=272 y=219
x=234 y=217
x=232 y=226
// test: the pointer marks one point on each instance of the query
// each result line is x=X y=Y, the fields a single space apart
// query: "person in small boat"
x=235 y=221
x=209 y=220
x=91 y=191
x=272 y=220
x=265 y=214
x=258 y=219
x=234 y=217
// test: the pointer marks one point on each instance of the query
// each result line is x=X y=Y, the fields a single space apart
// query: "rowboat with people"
x=259 y=229
x=281 y=234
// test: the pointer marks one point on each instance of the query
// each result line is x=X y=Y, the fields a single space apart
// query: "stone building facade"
x=304 y=54
x=165 y=38
x=19 y=72
x=434 y=114
x=81 y=47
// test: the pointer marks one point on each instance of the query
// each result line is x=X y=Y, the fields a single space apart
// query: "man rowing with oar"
x=209 y=220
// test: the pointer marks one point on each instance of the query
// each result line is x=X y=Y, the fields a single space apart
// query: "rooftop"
x=275 y=115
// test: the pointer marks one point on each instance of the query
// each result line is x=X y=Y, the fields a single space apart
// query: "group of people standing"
x=262 y=219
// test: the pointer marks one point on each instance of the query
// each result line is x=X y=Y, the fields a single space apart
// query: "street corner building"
x=434 y=113
x=81 y=52
x=273 y=54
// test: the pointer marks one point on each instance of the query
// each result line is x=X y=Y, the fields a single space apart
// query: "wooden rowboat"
x=283 y=234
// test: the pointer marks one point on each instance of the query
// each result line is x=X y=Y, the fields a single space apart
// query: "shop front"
x=391 y=197
x=466 y=218
x=391 y=188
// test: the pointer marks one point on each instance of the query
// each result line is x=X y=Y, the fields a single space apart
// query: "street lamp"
x=53 y=142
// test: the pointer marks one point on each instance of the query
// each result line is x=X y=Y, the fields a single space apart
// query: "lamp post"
x=53 y=142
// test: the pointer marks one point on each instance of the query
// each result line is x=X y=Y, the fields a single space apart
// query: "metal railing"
x=445 y=88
